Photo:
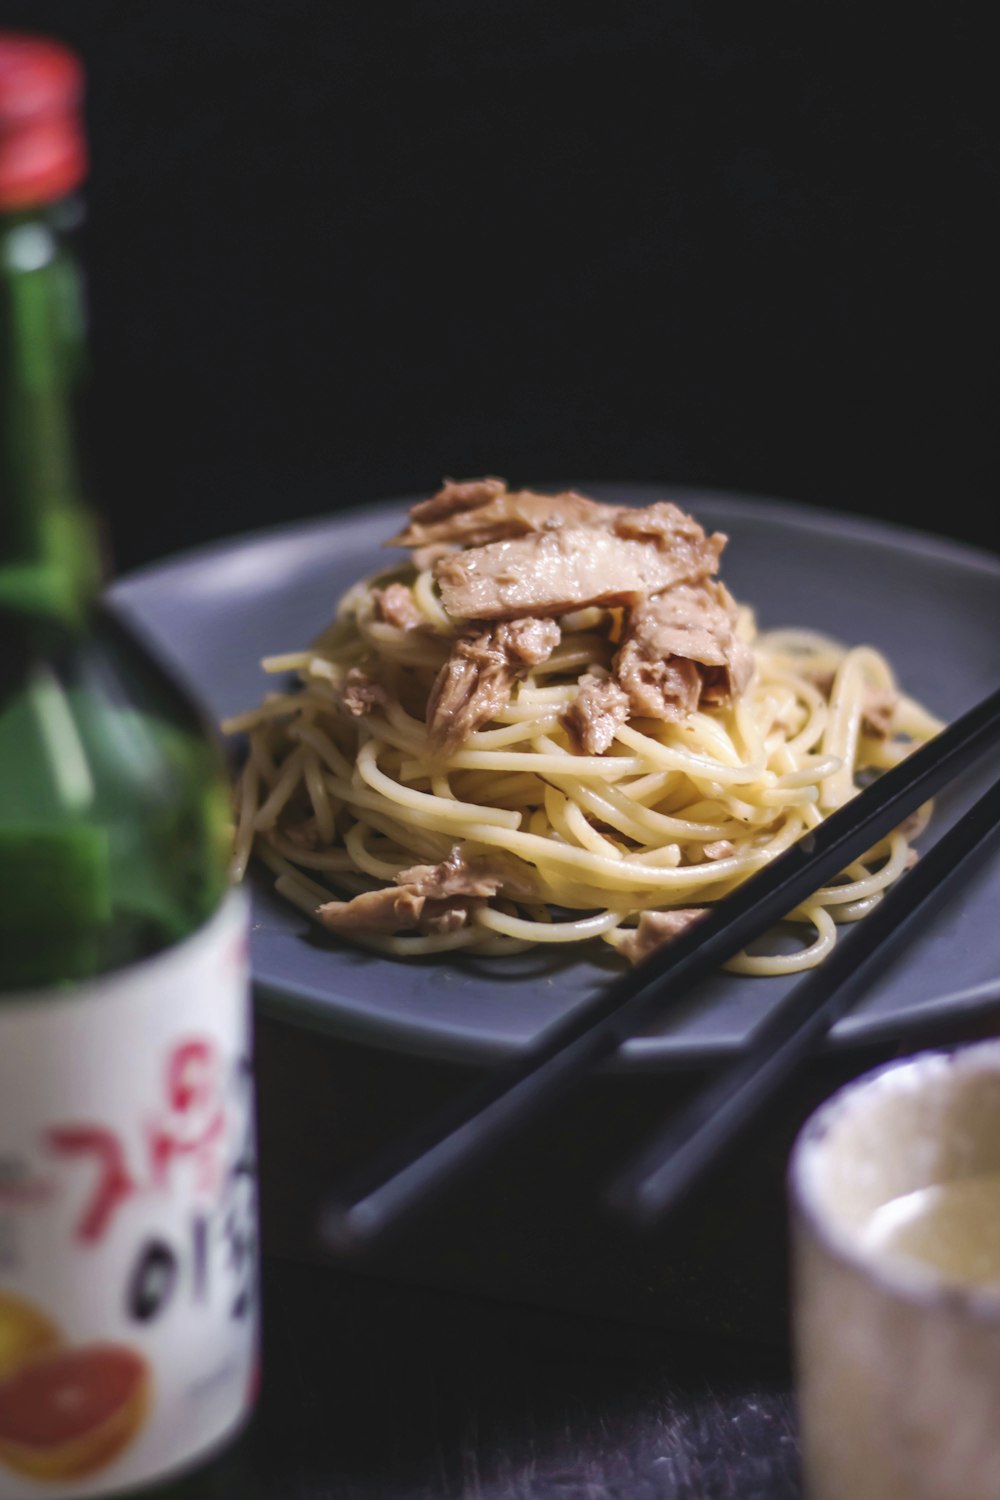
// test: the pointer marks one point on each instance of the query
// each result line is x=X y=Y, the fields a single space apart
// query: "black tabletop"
x=336 y=251
x=374 y=1390
x=513 y=1343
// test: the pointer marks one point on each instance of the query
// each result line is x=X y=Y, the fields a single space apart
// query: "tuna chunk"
x=395 y=606
x=305 y=835
x=878 y=712
x=488 y=514
x=393 y=909
x=452 y=498
x=446 y=916
x=360 y=694
x=596 y=712
x=460 y=874
x=552 y=572
x=476 y=681
x=655 y=929
x=679 y=651
x=426 y=557
x=464 y=874
x=675 y=531
x=428 y=898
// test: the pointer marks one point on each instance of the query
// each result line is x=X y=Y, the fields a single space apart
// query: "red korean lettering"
x=194 y=1123
x=114 y=1184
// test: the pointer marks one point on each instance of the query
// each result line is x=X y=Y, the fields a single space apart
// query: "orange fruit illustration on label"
x=24 y=1332
x=69 y=1412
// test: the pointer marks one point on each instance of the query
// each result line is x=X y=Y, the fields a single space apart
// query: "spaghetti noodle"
x=511 y=834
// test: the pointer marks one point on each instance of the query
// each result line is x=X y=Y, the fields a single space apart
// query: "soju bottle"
x=128 y=1285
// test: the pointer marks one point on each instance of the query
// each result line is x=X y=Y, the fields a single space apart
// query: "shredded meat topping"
x=822 y=681
x=460 y=874
x=656 y=928
x=305 y=834
x=476 y=681
x=429 y=898
x=679 y=650
x=596 y=712
x=673 y=529
x=878 y=713
x=394 y=604
x=426 y=557
x=360 y=694
x=552 y=572
x=452 y=498
x=912 y=826
x=393 y=909
x=464 y=874
x=879 y=705
x=446 y=916
x=720 y=849
x=498 y=515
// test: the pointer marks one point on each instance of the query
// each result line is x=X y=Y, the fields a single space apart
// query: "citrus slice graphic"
x=24 y=1332
x=68 y=1413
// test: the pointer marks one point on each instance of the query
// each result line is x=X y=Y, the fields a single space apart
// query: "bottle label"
x=128 y=1218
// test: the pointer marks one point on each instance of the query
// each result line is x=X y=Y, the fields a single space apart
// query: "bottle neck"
x=49 y=569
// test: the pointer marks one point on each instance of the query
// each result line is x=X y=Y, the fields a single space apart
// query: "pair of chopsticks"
x=509 y=1098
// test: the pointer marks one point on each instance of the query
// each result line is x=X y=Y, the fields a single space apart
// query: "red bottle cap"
x=43 y=153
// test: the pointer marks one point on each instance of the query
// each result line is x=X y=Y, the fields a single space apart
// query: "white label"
x=128 y=1219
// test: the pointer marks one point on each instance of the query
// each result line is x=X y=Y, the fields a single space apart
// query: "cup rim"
x=911 y=1283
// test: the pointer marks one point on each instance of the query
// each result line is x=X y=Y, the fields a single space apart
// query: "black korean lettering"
x=199 y=1258
x=239 y=1210
x=152 y=1282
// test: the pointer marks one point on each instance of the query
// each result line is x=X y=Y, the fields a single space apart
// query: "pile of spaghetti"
x=551 y=723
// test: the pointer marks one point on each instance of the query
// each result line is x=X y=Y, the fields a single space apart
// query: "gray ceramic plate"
x=932 y=606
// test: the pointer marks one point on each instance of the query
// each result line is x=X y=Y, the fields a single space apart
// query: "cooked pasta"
x=350 y=786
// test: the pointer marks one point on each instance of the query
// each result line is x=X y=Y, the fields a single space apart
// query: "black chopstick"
x=509 y=1097
x=663 y=1173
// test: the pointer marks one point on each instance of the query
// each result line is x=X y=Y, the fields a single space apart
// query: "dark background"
x=340 y=248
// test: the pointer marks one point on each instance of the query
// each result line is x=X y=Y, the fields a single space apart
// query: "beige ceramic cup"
x=898 y=1373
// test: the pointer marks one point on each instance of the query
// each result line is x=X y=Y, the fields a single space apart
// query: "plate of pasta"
x=491 y=745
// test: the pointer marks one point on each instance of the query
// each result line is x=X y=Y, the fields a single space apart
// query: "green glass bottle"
x=128 y=1250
